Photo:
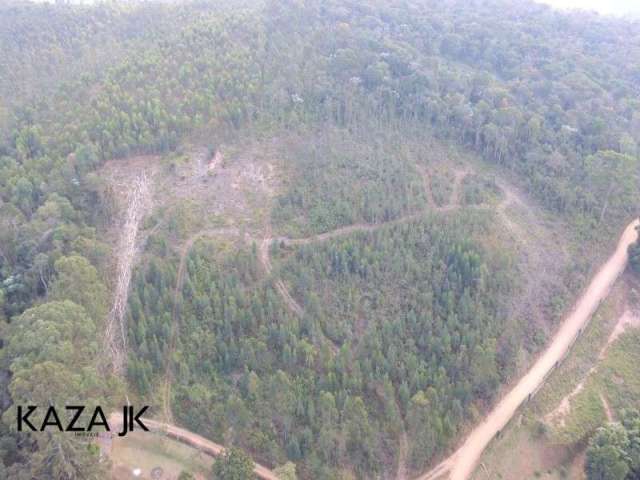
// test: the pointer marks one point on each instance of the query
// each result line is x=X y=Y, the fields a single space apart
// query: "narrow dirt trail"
x=191 y=439
x=294 y=306
x=291 y=303
x=511 y=198
x=115 y=343
x=462 y=463
x=607 y=408
x=342 y=231
x=454 y=204
x=265 y=260
x=458 y=177
x=403 y=451
x=175 y=314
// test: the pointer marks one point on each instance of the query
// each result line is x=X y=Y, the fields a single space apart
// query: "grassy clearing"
x=523 y=453
x=147 y=451
x=585 y=416
x=619 y=375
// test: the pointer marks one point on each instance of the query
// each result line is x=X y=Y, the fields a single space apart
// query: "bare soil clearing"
x=523 y=456
x=401 y=473
x=233 y=183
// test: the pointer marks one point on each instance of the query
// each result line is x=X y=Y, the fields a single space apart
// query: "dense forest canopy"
x=551 y=99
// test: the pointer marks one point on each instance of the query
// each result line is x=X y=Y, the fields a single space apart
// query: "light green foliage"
x=286 y=471
x=612 y=179
x=59 y=331
x=613 y=452
x=478 y=189
x=233 y=464
x=619 y=374
x=77 y=280
x=51 y=356
x=586 y=415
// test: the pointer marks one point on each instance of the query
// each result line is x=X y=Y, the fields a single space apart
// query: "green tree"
x=607 y=454
x=52 y=351
x=631 y=422
x=233 y=464
x=286 y=471
x=612 y=178
x=78 y=281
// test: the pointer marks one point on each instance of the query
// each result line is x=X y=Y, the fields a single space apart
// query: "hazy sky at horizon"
x=618 y=7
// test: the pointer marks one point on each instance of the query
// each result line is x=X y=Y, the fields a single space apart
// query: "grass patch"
x=147 y=451
x=586 y=414
x=619 y=374
x=524 y=453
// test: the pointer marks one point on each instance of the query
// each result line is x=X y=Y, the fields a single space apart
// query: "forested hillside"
x=382 y=125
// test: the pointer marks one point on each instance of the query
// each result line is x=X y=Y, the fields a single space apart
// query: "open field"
x=147 y=451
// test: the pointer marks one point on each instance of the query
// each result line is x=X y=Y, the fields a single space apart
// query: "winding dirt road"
x=462 y=463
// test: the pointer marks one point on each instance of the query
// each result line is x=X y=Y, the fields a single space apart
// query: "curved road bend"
x=463 y=462
x=193 y=440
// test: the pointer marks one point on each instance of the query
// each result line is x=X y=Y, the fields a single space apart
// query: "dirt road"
x=191 y=439
x=462 y=463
